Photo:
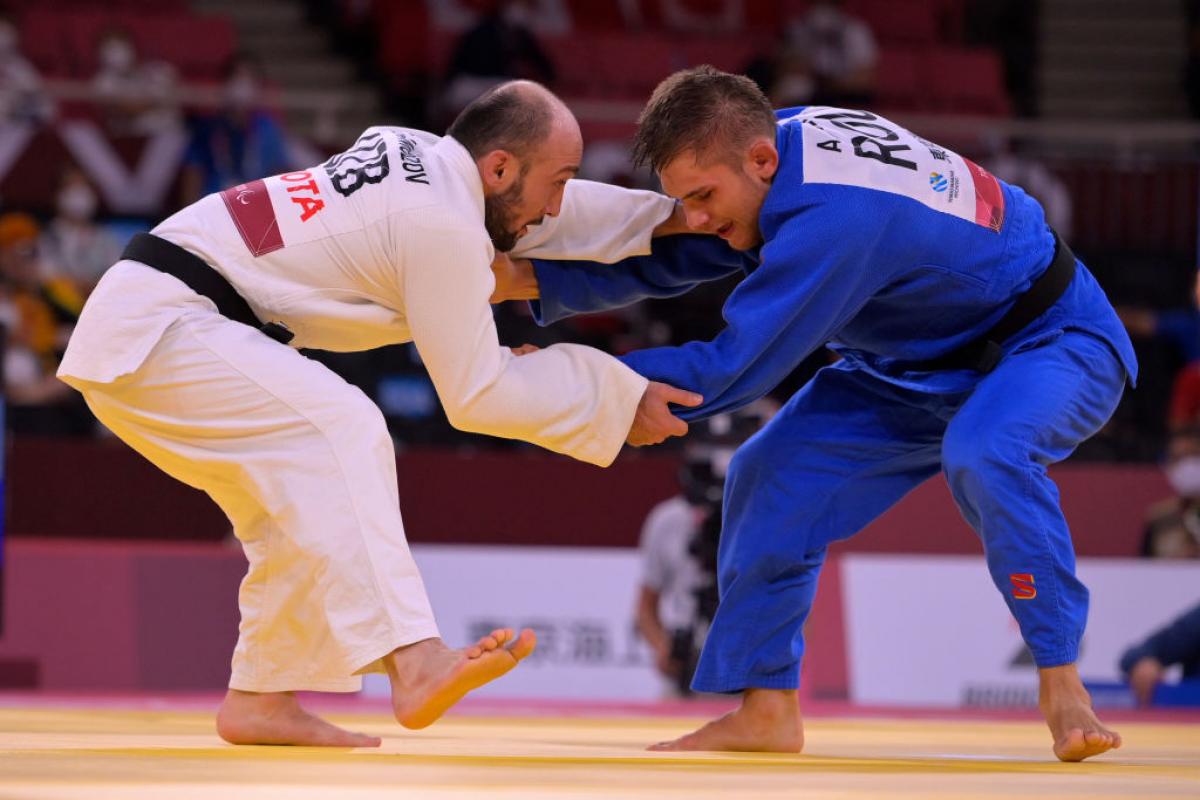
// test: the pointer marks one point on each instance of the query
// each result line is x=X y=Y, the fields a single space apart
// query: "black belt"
x=983 y=354
x=164 y=256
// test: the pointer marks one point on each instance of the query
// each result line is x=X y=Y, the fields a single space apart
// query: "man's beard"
x=500 y=216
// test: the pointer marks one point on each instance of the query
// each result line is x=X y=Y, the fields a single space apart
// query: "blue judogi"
x=893 y=251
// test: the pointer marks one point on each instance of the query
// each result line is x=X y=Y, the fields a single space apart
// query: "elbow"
x=465 y=417
x=475 y=412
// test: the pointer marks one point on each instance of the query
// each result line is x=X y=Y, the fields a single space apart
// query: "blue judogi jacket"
x=886 y=247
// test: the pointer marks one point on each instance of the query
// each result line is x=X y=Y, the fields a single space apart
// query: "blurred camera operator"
x=678 y=595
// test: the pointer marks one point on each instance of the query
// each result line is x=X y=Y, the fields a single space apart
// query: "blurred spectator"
x=38 y=314
x=22 y=97
x=841 y=51
x=501 y=46
x=1178 y=643
x=1185 y=391
x=1178 y=371
x=136 y=98
x=241 y=142
x=1011 y=162
x=1173 y=525
x=785 y=76
x=1184 y=410
x=73 y=245
x=712 y=16
x=678 y=595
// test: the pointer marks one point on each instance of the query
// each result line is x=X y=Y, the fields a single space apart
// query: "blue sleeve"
x=675 y=265
x=1178 y=643
x=814 y=277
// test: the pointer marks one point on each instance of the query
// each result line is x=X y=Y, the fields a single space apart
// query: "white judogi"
x=382 y=244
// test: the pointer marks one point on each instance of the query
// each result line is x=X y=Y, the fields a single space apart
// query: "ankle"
x=773 y=704
x=1061 y=685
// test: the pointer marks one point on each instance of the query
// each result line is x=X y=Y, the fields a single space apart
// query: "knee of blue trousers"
x=976 y=464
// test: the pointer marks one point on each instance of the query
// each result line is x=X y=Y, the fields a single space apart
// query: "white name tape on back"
x=858 y=148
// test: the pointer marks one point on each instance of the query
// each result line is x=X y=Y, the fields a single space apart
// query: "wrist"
x=525 y=282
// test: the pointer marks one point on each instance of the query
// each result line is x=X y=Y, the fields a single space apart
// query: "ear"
x=498 y=170
x=762 y=159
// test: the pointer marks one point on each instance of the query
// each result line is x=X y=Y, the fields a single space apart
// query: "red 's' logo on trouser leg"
x=1023 y=588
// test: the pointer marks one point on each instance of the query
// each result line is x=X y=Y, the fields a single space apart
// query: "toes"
x=524 y=644
x=362 y=740
x=502 y=635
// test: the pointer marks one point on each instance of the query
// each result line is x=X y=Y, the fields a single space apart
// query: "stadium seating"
x=61 y=41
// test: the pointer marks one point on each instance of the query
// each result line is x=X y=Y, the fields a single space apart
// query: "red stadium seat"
x=199 y=47
x=898 y=81
x=573 y=61
x=632 y=64
x=43 y=42
x=404 y=41
x=965 y=82
x=728 y=53
x=589 y=15
x=898 y=21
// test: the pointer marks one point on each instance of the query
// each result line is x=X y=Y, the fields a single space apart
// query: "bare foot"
x=1067 y=707
x=428 y=677
x=768 y=721
x=277 y=718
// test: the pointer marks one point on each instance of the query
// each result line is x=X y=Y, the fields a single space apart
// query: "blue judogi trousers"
x=849 y=445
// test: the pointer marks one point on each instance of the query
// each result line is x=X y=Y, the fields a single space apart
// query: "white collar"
x=453 y=153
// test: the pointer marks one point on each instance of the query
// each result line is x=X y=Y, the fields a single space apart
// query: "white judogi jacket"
x=382 y=244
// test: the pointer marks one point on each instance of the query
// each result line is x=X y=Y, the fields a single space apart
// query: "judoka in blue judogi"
x=901 y=256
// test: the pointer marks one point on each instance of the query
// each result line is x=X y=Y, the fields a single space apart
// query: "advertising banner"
x=934 y=631
x=579 y=601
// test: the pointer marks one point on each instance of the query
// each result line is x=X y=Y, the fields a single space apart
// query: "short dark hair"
x=703 y=110
x=506 y=117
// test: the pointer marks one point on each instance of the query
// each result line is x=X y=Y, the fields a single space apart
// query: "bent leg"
x=303 y=465
x=841 y=452
x=1033 y=411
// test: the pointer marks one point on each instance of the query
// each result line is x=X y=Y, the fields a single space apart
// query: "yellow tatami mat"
x=70 y=753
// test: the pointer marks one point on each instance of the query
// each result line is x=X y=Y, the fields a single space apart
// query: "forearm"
x=675 y=265
x=648 y=623
x=598 y=222
x=567 y=398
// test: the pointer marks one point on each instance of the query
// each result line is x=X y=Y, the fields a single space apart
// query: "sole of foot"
x=468 y=674
x=278 y=719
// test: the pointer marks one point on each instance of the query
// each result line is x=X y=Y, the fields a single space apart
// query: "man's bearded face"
x=502 y=216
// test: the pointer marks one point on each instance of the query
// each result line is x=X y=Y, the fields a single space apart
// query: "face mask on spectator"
x=241 y=92
x=117 y=54
x=77 y=203
x=1184 y=476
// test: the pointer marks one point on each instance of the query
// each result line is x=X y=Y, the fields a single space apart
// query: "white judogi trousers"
x=281 y=443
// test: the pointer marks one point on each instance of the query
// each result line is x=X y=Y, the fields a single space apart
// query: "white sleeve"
x=567 y=398
x=597 y=222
